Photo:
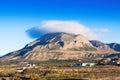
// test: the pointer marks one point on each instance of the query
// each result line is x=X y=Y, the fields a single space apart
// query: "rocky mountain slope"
x=103 y=47
x=99 y=44
x=60 y=46
x=53 y=46
x=114 y=46
x=56 y=41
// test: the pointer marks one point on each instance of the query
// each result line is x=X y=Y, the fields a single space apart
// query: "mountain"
x=114 y=46
x=103 y=46
x=100 y=45
x=56 y=41
x=57 y=45
x=62 y=46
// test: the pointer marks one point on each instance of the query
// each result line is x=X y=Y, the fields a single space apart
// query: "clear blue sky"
x=17 y=16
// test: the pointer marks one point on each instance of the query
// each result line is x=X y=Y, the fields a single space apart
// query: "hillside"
x=52 y=46
x=60 y=46
x=114 y=46
x=102 y=47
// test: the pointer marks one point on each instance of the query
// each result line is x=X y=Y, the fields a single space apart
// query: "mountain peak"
x=114 y=46
x=45 y=47
x=60 y=40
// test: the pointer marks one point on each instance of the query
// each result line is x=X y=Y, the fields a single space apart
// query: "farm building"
x=84 y=64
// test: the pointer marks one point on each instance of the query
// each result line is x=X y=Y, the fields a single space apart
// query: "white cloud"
x=67 y=26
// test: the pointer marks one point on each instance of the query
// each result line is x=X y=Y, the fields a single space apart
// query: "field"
x=45 y=72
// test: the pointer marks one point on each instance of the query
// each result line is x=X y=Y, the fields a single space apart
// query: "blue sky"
x=17 y=16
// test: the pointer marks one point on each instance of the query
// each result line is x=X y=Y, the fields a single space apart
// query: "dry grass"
x=59 y=73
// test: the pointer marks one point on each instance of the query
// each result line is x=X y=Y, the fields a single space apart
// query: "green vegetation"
x=57 y=63
x=89 y=49
x=84 y=49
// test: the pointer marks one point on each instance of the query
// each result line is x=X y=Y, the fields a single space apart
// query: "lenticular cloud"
x=61 y=26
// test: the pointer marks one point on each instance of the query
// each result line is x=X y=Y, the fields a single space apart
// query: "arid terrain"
x=54 y=53
x=47 y=72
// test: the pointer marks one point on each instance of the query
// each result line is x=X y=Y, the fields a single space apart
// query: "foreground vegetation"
x=56 y=72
